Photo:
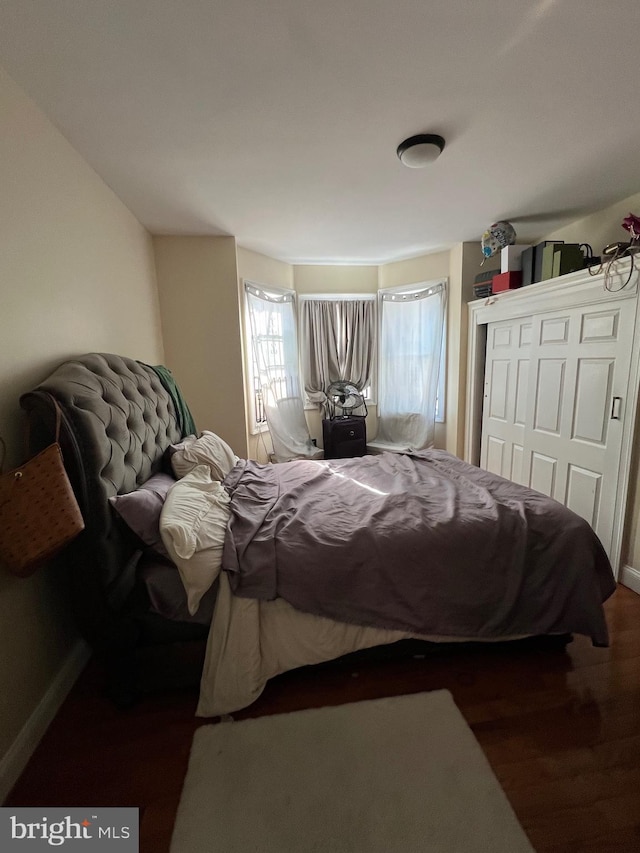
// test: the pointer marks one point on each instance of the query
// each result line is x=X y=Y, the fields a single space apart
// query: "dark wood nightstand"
x=344 y=437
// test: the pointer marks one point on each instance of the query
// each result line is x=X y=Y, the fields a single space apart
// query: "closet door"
x=505 y=397
x=578 y=382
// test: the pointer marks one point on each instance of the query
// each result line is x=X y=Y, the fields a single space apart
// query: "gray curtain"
x=338 y=342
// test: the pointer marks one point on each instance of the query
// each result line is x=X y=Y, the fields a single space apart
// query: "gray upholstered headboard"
x=117 y=420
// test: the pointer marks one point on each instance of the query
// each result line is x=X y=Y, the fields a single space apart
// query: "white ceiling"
x=277 y=120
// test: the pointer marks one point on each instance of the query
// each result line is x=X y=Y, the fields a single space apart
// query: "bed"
x=300 y=562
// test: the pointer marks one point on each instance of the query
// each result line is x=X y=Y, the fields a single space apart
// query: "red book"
x=507 y=281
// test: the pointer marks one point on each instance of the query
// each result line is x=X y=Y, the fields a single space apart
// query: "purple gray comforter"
x=422 y=543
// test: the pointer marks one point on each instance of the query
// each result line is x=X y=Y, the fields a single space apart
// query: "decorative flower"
x=631 y=224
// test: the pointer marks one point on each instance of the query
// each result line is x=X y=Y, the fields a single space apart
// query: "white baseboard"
x=20 y=751
x=630 y=577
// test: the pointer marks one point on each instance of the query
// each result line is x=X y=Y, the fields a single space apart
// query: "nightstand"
x=344 y=437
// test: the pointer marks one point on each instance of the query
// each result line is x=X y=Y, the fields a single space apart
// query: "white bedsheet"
x=250 y=641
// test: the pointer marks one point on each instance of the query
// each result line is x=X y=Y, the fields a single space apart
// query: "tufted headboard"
x=117 y=421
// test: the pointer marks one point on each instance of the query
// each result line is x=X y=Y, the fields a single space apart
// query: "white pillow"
x=193 y=525
x=209 y=449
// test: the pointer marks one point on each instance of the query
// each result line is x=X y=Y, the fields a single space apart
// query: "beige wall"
x=76 y=275
x=316 y=278
x=260 y=269
x=199 y=305
x=424 y=268
x=598 y=230
x=264 y=270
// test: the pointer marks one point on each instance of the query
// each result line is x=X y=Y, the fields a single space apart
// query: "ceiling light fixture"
x=418 y=151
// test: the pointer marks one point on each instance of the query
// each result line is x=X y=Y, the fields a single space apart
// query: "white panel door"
x=578 y=377
x=505 y=397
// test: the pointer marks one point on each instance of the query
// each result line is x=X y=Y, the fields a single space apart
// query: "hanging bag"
x=39 y=513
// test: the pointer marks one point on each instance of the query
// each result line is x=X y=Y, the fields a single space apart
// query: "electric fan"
x=344 y=398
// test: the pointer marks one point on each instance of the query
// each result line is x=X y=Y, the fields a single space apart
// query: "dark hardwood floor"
x=561 y=730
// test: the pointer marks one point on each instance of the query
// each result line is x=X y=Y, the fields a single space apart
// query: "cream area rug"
x=397 y=775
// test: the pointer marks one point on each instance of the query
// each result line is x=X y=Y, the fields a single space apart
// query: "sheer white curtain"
x=272 y=323
x=338 y=342
x=411 y=326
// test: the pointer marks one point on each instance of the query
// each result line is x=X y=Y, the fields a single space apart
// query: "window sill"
x=311 y=407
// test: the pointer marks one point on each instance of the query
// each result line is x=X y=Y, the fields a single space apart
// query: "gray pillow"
x=140 y=510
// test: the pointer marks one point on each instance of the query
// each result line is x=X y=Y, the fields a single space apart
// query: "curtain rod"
x=337 y=297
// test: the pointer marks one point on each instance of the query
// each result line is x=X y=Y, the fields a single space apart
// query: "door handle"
x=616 y=403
